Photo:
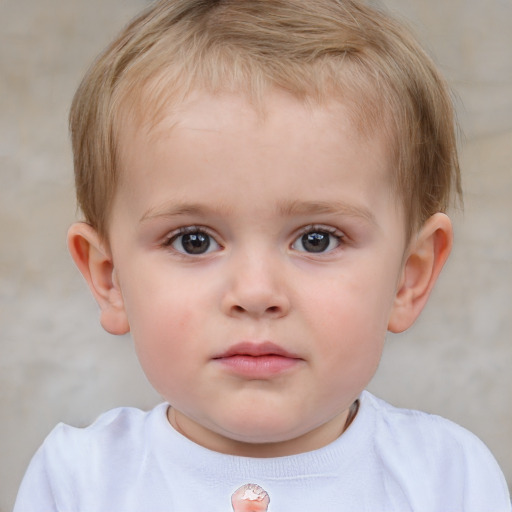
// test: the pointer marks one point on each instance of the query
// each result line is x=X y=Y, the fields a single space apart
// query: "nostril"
x=271 y=310
x=255 y=302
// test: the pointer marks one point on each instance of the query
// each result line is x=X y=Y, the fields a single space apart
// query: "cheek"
x=165 y=327
x=350 y=318
x=159 y=304
x=352 y=303
x=164 y=343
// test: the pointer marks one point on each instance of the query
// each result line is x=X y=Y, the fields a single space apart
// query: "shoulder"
x=423 y=451
x=117 y=420
x=413 y=430
x=72 y=461
x=105 y=439
x=113 y=426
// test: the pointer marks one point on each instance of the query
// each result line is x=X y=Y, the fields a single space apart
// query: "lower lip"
x=258 y=367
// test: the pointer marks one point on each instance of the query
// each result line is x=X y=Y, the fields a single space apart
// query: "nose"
x=256 y=288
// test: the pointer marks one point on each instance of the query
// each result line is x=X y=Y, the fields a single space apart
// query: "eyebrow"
x=175 y=209
x=327 y=207
x=287 y=209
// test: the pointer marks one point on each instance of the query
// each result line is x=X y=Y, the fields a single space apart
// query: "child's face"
x=258 y=259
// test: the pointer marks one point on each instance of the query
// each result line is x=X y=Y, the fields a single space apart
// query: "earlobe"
x=93 y=259
x=426 y=256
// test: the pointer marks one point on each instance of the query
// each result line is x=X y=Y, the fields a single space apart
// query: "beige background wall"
x=55 y=362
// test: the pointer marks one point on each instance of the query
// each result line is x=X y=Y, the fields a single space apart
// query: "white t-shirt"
x=388 y=460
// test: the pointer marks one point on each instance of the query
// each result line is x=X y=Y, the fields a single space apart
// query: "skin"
x=253 y=184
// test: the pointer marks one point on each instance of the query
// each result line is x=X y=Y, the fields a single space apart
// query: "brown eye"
x=317 y=241
x=193 y=242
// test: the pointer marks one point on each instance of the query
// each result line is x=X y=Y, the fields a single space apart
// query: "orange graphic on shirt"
x=250 y=498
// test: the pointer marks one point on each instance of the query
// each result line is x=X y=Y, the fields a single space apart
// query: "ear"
x=94 y=260
x=425 y=257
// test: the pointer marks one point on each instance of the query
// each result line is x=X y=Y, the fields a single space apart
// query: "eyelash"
x=315 y=228
x=189 y=230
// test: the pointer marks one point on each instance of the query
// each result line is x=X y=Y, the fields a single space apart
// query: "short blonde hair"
x=318 y=50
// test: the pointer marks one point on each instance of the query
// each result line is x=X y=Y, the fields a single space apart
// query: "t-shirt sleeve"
x=468 y=477
x=45 y=475
x=485 y=486
x=35 y=492
x=435 y=465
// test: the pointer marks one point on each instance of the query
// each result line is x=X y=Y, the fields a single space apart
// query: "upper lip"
x=256 y=349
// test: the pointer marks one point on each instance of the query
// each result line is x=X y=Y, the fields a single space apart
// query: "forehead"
x=152 y=113
x=290 y=156
x=237 y=113
x=203 y=113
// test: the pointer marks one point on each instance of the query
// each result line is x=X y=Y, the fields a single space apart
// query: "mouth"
x=257 y=360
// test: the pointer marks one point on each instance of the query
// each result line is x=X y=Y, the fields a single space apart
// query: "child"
x=264 y=185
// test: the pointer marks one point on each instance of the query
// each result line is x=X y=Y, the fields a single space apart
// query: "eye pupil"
x=195 y=243
x=315 y=241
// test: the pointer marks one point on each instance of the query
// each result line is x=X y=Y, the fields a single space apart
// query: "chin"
x=262 y=430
